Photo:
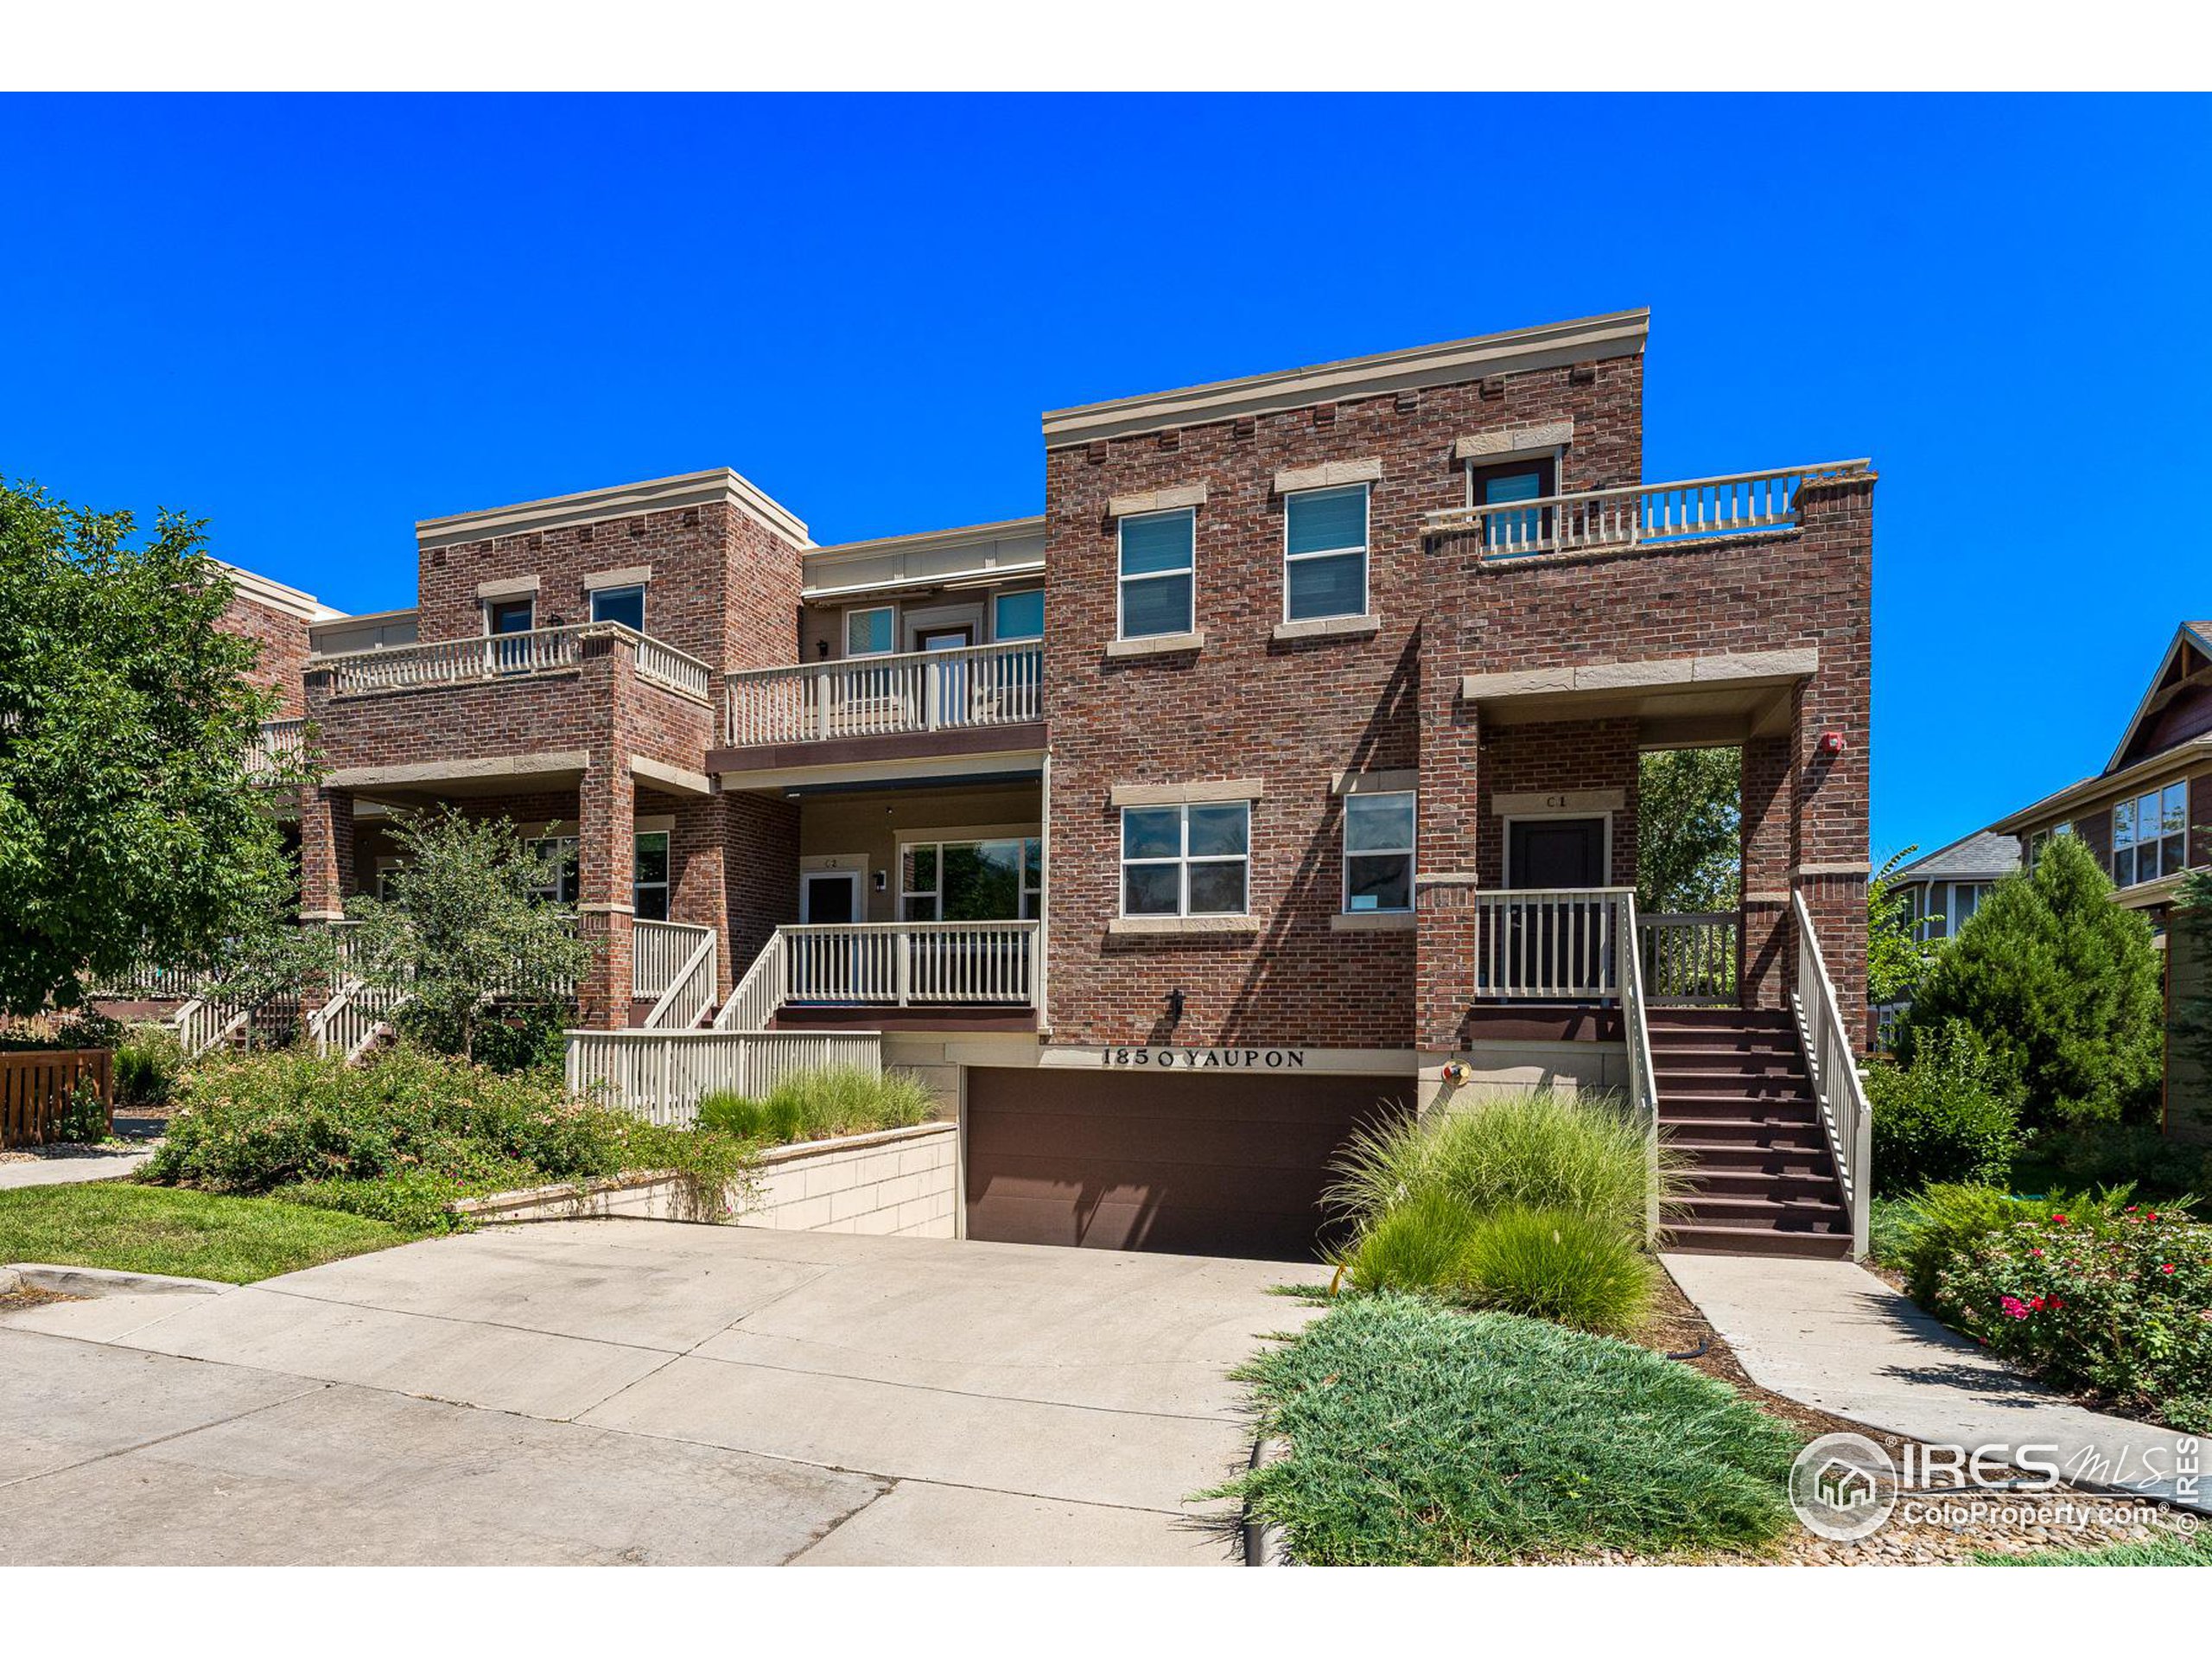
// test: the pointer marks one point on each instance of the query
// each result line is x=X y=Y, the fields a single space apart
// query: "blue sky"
x=315 y=321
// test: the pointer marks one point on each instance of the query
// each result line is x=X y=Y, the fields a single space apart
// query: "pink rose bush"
x=2118 y=1304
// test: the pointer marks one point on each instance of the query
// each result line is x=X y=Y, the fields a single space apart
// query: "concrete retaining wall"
x=901 y=1181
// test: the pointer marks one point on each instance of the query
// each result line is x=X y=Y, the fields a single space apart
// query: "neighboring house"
x=2145 y=817
x=1282 y=771
x=1944 y=887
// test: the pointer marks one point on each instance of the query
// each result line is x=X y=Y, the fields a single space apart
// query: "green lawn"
x=2195 y=1550
x=167 y=1230
x=1421 y=1435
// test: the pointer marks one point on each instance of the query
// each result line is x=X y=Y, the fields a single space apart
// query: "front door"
x=829 y=896
x=1555 y=853
x=948 y=681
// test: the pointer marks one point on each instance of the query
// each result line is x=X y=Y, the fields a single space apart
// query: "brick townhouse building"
x=1282 y=773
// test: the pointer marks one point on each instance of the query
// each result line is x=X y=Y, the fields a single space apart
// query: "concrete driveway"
x=637 y=1391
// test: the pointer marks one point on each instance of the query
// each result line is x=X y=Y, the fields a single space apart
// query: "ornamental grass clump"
x=1421 y=1435
x=1561 y=1265
x=821 y=1103
x=2116 y=1305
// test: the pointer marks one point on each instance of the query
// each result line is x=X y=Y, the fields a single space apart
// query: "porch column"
x=606 y=845
x=1768 y=798
x=326 y=852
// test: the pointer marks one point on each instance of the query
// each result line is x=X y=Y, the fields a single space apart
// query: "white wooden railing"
x=878 y=696
x=661 y=1075
x=347 y=1025
x=1641 y=515
x=689 y=990
x=504 y=655
x=1689 y=956
x=146 y=982
x=283 y=743
x=896 y=964
x=1642 y=1076
x=1553 y=944
x=1833 y=1059
x=658 y=953
x=205 y=1023
x=753 y=1002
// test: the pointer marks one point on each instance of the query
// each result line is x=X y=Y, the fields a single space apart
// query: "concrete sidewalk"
x=101 y=1165
x=1831 y=1334
x=643 y=1391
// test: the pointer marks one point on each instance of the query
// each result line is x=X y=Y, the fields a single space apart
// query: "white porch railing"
x=202 y=1024
x=896 y=964
x=1641 y=515
x=658 y=953
x=503 y=657
x=689 y=990
x=1830 y=1056
x=1689 y=956
x=661 y=1075
x=283 y=743
x=347 y=1025
x=754 y=1000
x=1642 y=1076
x=1552 y=943
x=878 y=696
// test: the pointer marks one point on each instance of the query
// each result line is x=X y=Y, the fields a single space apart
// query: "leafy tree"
x=463 y=926
x=1897 y=953
x=2192 y=932
x=1687 y=824
x=132 y=827
x=2061 y=984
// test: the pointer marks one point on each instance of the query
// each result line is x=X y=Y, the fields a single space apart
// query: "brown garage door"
x=1218 y=1166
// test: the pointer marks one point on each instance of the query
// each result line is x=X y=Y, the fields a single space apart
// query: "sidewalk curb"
x=1263 y=1540
x=103 y=1281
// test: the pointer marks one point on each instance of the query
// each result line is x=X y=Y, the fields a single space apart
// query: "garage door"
x=1218 y=1166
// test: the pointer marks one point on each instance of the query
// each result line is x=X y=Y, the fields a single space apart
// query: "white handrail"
x=901 y=963
x=1688 y=957
x=661 y=1075
x=875 y=696
x=658 y=951
x=1638 y=515
x=1834 y=1066
x=1550 y=944
x=1642 y=1076
x=755 y=998
x=691 y=990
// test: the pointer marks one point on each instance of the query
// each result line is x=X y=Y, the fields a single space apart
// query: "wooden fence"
x=37 y=1086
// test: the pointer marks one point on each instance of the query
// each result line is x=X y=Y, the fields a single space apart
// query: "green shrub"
x=259 y=1122
x=148 y=1062
x=520 y=1036
x=2113 y=1154
x=1561 y=1265
x=1947 y=1117
x=2063 y=985
x=1537 y=1150
x=2120 y=1305
x=1420 y=1435
x=1420 y=1244
x=1924 y=1233
x=821 y=1103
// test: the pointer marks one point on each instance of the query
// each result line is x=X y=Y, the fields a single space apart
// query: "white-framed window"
x=1324 y=553
x=1159 y=574
x=872 y=630
x=649 y=876
x=1019 y=615
x=2150 y=835
x=2041 y=839
x=994 y=880
x=623 y=605
x=561 y=887
x=1187 y=860
x=1379 y=852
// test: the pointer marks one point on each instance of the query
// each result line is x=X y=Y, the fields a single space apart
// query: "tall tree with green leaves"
x=2061 y=984
x=462 y=925
x=1898 y=952
x=1688 y=825
x=135 y=819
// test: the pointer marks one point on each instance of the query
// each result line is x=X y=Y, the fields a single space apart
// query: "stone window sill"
x=1372 y=921
x=1177 y=926
x=1158 y=644
x=1330 y=627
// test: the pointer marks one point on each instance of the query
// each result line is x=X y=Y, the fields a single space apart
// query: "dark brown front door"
x=1556 y=853
x=1219 y=1164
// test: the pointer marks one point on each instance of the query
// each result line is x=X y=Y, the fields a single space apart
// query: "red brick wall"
x=282 y=639
x=1289 y=713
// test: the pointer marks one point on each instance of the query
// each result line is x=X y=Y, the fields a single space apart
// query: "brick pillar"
x=326 y=852
x=1767 y=800
x=696 y=892
x=605 y=847
x=1450 y=811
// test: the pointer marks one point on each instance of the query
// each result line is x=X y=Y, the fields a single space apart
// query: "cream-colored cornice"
x=717 y=486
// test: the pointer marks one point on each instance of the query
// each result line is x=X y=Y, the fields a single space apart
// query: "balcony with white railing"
x=923 y=692
x=1647 y=516
x=887 y=965
x=498 y=657
x=1563 y=945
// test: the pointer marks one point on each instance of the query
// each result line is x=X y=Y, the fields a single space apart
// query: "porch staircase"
x=1736 y=1100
